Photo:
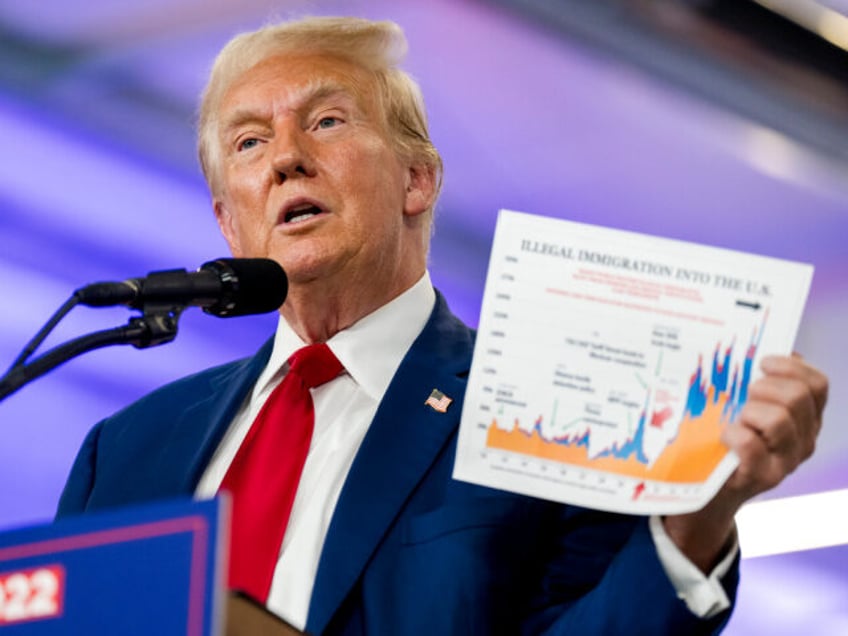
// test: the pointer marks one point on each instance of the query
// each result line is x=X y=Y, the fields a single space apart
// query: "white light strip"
x=827 y=23
x=805 y=522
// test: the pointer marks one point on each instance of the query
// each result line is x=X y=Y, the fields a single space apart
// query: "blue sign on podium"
x=155 y=569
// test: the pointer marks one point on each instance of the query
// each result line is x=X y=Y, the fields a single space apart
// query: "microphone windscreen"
x=252 y=286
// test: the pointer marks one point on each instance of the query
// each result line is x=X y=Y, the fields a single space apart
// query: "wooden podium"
x=246 y=617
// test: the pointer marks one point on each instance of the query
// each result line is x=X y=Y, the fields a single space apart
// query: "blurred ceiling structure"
x=782 y=62
x=718 y=121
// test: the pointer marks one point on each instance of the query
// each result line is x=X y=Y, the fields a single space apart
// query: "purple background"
x=98 y=181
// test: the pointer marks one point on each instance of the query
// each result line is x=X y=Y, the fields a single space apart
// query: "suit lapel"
x=191 y=444
x=402 y=442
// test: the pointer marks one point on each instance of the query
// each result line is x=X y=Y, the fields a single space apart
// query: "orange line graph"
x=689 y=458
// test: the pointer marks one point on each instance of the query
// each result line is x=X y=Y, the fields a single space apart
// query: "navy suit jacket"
x=409 y=550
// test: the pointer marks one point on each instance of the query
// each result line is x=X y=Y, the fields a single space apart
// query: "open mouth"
x=301 y=213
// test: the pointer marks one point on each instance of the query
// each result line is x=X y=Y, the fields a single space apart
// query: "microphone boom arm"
x=223 y=287
x=157 y=325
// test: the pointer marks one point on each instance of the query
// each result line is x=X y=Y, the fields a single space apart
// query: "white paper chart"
x=608 y=363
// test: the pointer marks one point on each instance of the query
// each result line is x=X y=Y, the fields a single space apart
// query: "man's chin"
x=306 y=271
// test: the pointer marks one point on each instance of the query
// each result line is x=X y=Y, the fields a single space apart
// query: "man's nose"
x=291 y=156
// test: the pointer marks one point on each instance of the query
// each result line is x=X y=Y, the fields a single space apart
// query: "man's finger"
x=796 y=367
x=778 y=431
x=793 y=395
x=759 y=469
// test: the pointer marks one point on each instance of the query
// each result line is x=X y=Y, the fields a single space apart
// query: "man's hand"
x=775 y=431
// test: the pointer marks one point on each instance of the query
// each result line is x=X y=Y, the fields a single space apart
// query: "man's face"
x=308 y=177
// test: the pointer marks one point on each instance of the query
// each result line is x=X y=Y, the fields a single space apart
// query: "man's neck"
x=316 y=311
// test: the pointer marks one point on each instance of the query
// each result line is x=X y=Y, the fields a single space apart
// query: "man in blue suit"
x=316 y=150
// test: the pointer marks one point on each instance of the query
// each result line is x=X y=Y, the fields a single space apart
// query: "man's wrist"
x=702 y=592
x=703 y=537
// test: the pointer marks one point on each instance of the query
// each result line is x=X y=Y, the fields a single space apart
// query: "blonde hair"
x=377 y=47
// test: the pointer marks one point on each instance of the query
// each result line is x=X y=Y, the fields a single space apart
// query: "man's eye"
x=247 y=144
x=327 y=122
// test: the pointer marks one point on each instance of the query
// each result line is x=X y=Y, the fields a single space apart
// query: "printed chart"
x=608 y=363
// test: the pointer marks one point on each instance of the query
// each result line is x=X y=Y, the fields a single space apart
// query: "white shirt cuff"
x=704 y=595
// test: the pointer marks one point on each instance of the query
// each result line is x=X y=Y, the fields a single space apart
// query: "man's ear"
x=420 y=189
x=227 y=226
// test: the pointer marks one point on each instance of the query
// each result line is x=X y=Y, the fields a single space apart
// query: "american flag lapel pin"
x=438 y=401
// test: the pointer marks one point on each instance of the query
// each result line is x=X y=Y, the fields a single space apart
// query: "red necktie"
x=264 y=475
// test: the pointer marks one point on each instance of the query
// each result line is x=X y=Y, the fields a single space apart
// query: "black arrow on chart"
x=743 y=303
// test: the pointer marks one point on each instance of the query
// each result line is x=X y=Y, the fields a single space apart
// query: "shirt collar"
x=372 y=348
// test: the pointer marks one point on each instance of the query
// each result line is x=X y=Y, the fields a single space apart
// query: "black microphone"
x=224 y=287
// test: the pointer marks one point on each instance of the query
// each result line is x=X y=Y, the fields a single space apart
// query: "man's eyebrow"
x=325 y=90
x=306 y=98
x=240 y=117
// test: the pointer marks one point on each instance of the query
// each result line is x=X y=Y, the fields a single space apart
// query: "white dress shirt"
x=371 y=351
